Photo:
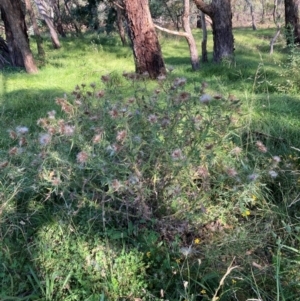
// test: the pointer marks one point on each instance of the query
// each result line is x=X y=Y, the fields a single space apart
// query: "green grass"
x=173 y=234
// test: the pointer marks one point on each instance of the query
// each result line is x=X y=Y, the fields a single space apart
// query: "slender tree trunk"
x=45 y=15
x=220 y=13
x=16 y=35
x=39 y=39
x=189 y=36
x=120 y=25
x=204 y=38
x=146 y=48
x=199 y=21
x=263 y=13
x=76 y=24
x=292 y=21
x=59 y=25
x=276 y=18
x=249 y=2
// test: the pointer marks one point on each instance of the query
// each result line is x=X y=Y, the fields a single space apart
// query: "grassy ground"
x=140 y=194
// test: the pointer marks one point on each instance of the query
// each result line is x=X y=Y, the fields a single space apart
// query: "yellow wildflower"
x=254 y=198
x=233 y=281
x=246 y=213
x=203 y=292
x=197 y=241
x=178 y=260
x=148 y=254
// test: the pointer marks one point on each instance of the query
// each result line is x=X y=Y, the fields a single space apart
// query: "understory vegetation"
x=115 y=187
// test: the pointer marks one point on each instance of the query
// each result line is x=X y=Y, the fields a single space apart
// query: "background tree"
x=220 y=13
x=37 y=35
x=292 y=25
x=58 y=17
x=45 y=12
x=145 y=44
x=71 y=18
x=277 y=22
x=250 y=4
x=120 y=24
x=187 y=34
x=204 y=38
x=16 y=35
x=168 y=11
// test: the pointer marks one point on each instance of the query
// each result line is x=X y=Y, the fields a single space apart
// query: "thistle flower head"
x=44 y=139
x=82 y=157
x=51 y=114
x=273 y=174
x=231 y=172
x=205 y=98
x=121 y=135
x=152 y=118
x=261 y=147
x=183 y=96
x=177 y=155
x=105 y=78
x=100 y=94
x=22 y=130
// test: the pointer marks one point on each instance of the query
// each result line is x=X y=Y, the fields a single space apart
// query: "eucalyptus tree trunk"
x=204 y=38
x=220 y=13
x=121 y=29
x=146 y=48
x=38 y=37
x=292 y=21
x=44 y=12
x=249 y=2
x=59 y=26
x=276 y=19
x=187 y=34
x=4 y=54
x=16 y=35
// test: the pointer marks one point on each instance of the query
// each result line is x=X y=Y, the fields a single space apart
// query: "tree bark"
x=220 y=13
x=120 y=25
x=276 y=19
x=59 y=25
x=16 y=35
x=189 y=37
x=292 y=25
x=249 y=2
x=187 y=34
x=146 y=48
x=4 y=54
x=14 y=51
x=204 y=38
x=45 y=15
x=38 y=37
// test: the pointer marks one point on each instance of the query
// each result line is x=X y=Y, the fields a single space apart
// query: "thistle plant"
x=166 y=152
